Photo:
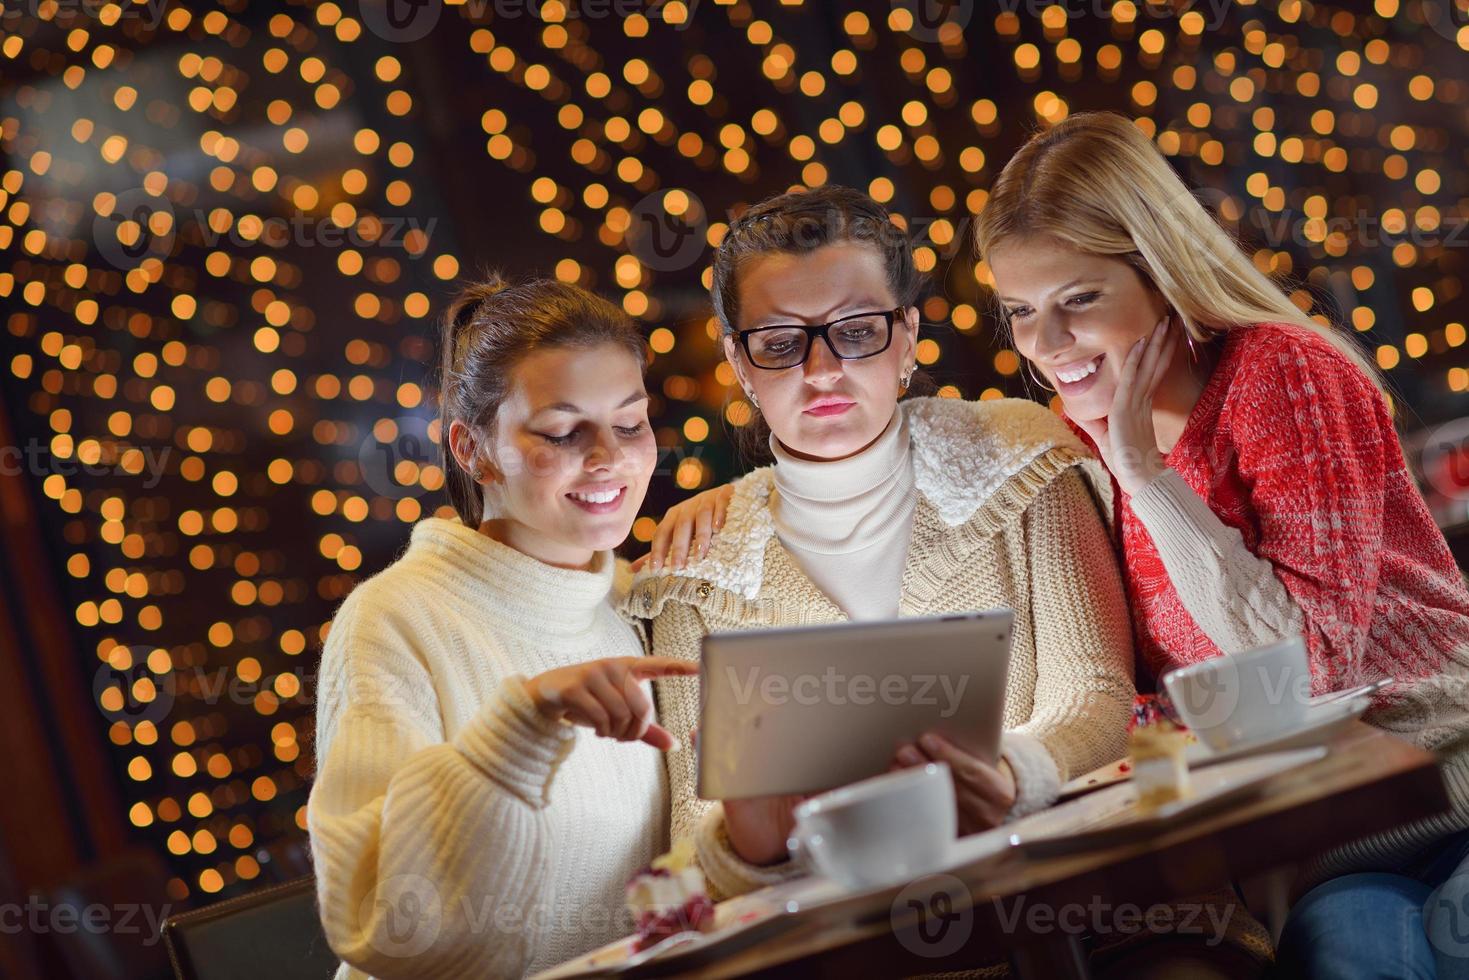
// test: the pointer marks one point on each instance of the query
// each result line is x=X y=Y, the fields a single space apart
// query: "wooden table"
x=1369 y=781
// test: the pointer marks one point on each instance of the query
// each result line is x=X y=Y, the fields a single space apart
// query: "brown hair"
x=803 y=221
x=488 y=328
x=798 y=222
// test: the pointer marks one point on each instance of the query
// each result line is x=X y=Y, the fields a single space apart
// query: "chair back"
x=114 y=907
x=273 y=933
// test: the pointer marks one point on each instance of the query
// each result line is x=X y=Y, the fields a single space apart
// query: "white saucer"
x=1322 y=721
x=1111 y=815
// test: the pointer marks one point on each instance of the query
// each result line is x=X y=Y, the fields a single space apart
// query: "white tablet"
x=806 y=709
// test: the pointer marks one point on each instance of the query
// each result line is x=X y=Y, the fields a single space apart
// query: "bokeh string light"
x=226 y=229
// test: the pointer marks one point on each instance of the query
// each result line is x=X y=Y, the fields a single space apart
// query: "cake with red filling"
x=669 y=897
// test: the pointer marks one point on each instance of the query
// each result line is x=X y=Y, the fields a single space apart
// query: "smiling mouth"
x=598 y=501
x=602 y=497
x=1072 y=375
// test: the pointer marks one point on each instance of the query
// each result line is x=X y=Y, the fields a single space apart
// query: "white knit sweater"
x=848 y=522
x=456 y=832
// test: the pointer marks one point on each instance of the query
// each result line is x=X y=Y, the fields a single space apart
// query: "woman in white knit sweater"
x=459 y=826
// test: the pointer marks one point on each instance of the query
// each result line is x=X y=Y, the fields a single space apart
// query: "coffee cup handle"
x=799 y=850
x=797 y=853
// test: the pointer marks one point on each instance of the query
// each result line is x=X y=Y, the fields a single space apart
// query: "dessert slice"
x=1159 y=763
x=669 y=897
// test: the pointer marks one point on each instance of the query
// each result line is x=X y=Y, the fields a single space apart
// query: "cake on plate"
x=669 y=897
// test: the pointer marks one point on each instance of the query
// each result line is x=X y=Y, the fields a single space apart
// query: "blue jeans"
x=1397 y=926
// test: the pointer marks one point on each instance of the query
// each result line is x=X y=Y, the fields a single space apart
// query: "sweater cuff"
x=1037 y=780
x=1177 y=519
x=516 y=745
x=727 y=873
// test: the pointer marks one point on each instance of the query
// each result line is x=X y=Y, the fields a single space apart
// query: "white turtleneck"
x=848 y=521
x=455 y=831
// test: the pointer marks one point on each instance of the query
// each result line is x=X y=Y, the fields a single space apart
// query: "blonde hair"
x=1096 y=183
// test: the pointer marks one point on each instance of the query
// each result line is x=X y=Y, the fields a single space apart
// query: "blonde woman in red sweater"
x=1261 y=491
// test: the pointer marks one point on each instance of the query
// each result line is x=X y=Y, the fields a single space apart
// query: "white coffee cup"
x=1244 y=697
x=881 y=830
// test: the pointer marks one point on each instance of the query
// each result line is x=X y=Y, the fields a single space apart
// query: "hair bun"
x=471 y=294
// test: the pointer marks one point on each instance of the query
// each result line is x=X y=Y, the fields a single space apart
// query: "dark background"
x=226 y=232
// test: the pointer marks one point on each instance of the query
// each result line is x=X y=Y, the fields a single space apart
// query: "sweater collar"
x=972 y=461
x=839 y=506
x=560 y=601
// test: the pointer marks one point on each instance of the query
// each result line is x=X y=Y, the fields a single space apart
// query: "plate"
x=1111 y=816
x=746 y=919
x=1327 y=714
x=738 y=922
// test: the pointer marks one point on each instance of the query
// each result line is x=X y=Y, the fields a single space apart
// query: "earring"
x=905 y=382
x=1030 y=370
x=750 y=397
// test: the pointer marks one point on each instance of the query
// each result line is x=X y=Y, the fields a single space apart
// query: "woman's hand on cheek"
x=759 y=827
x=984 y=793
x=1127 y=438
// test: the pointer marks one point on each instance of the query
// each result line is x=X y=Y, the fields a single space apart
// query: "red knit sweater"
x=1292 y=445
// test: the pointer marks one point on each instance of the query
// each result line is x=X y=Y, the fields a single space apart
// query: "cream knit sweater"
x=456 y=832
x=1003 y=518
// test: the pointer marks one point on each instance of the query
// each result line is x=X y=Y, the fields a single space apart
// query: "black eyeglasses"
x=851 y=338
